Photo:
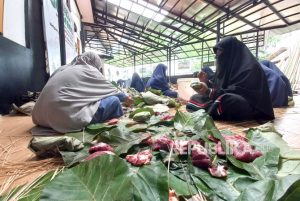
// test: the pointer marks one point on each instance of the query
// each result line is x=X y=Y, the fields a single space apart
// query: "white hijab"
x=71 y=96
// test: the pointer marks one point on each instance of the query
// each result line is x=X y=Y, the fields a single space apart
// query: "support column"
x=61 y=32
x=218 y=30
x=142 y=65
x=257 y=43
x=202 y=55
x=170 y=63
x=134 y=62
x=82 y=37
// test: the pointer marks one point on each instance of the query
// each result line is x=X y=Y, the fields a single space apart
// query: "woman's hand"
x=128 y=101
x=202 y=89
x=203 y=77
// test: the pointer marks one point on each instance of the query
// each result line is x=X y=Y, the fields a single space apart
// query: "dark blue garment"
x=159 y=81
x=272 y=66
x=170 y=93
x=137 y=83
x=121 y=83
x=109 y=108
x=277 y=87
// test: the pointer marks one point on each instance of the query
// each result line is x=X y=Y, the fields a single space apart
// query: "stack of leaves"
x=170 y=166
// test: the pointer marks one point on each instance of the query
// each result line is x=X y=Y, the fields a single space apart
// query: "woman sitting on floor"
x=76 y=95
x=240 y=89
x=279 y=85
x=137 y=83
x=159 y=81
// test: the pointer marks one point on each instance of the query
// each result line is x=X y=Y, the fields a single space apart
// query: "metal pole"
x=218 y=30
x=257 y=43
x=142 y=65
x=170 y=64
x=82 y=37
x=61 y=32
x=134 y=62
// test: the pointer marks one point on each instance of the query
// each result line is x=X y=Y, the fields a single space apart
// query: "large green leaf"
x=292 y=193
x=288 y=167
x=71 y=158
x=103 y=178
x=84 y=136
x=285 y=151
x=196 y=122
x=270 y=190
x=150 y=182
x=122 y=139
x=109 y=178
x=181 y=187
x=220 y=187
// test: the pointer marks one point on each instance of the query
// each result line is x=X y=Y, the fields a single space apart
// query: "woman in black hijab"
x=240 y=89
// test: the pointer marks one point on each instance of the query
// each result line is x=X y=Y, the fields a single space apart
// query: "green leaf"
x=151 y=99
x=150 y=182
x=155 y=91
x=142 y=117
x=220 y=187
x=71 y=158
x=292 y=193
x=121 y=139
x=83 y=136
x=288 y=167
x=181 y=187
x=138 y=100
x=195 y=122
x=141 y=110
x=109 y=178
x=32 y=191
x=183 y=122
x=103 y=178
x=285 y=151
x=140 y=127
x=271 y=190
x=99 y=128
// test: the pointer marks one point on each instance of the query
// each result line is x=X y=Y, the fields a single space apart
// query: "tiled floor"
x=19 y=165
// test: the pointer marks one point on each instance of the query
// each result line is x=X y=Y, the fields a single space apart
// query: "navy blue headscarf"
x=273 y=67
x=158 y=80
x=137 y=83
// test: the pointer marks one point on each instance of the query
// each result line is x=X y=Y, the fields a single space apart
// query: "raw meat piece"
x=100 y=147
x=141 y=158
x=163 y=143
x=200 y=157
x=98 y=153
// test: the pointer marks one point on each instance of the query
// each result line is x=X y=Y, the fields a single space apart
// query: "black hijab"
x=239 y=72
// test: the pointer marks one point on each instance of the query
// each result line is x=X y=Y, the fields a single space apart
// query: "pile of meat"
x=236 y=145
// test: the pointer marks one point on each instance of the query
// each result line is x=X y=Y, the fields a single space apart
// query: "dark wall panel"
x=22 y=68
x=15 y=72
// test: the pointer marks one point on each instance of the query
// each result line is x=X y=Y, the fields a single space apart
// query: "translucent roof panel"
x=124 y=28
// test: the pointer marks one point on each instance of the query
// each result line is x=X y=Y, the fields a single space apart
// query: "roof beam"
x=138 y=26
x=272 y=8
x=211 y=2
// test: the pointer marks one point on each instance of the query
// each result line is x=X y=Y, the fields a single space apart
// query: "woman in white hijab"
x=78 y=94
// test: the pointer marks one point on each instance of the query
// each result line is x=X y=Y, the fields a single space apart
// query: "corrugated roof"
x=147 y=29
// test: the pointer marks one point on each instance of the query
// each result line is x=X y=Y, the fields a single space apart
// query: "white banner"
x=69 y=35
x=51 y=32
